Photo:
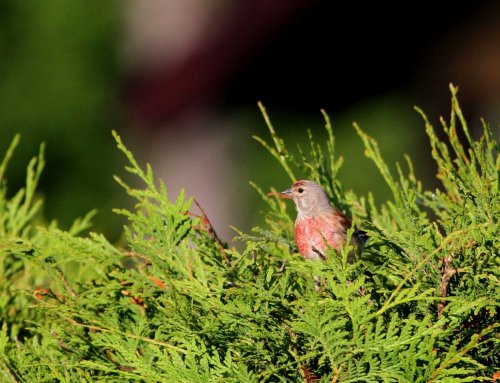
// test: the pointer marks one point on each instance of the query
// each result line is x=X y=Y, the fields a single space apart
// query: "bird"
x=318 y=223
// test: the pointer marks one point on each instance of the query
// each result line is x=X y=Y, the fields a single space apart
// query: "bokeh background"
x=180 y=81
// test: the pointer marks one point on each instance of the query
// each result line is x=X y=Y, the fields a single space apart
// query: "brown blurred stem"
x=448 y=272
x=211 y=232
x=65 y=283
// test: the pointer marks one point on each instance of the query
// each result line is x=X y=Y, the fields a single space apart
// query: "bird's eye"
x=300 y=190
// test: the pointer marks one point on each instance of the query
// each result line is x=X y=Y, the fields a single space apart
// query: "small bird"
x=318 y=223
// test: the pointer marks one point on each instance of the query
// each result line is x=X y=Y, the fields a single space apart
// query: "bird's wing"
x=344 y=223
x=341 y=222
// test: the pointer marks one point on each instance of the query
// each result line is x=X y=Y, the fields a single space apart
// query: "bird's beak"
x=284 y=194
x=287 y=194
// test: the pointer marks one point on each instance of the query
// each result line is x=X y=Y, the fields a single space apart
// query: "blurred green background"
x=60 y=82
x=179 y=80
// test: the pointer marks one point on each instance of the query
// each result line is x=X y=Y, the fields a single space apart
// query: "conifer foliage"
x=175 y=304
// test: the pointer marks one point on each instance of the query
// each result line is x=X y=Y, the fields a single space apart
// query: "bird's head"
x=309 y=198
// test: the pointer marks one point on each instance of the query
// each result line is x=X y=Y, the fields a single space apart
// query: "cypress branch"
x=174 y=303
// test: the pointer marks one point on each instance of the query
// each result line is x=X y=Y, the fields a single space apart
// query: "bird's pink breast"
x=313 y=232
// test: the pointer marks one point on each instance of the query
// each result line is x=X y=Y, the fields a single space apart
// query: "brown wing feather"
x=342 y=220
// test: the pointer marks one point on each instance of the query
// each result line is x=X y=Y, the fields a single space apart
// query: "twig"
x=125 y=334
x=447 y=240
x=448 y=272
x=279 y=152
x=211 y=231
x=65 y=283
x=9 y=373
x=475 y=340
x=337 y=374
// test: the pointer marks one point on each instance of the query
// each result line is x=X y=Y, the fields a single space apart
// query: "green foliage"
x=176 y=304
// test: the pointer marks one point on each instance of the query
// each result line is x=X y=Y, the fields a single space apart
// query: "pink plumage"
x=318 y=223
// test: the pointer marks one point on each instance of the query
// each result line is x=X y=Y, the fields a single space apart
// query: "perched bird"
x=318 y=222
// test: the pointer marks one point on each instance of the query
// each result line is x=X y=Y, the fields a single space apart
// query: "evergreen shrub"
x=176 y=304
